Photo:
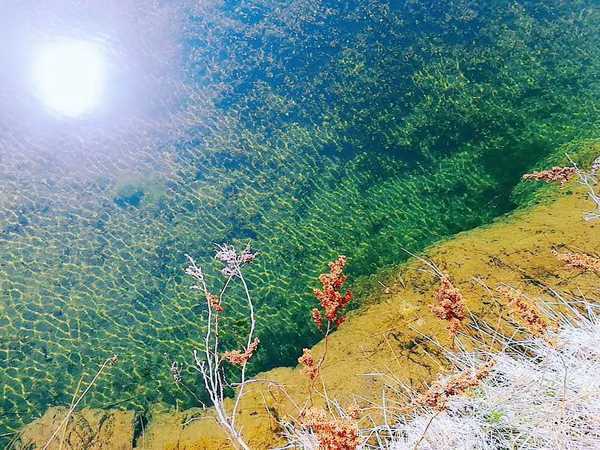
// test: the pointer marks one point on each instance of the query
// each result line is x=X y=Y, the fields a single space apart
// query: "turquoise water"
x=308 y=128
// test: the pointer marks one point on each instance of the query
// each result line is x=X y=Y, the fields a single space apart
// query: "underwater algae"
x=357 y=129
x=397 y=333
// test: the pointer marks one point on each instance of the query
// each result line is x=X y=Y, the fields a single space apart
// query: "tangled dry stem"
x=109 y=362
x=590 y=181
x=535 y=396
x=563 y=174
x=211 y=364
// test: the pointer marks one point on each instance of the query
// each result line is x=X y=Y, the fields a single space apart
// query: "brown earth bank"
x=394 y=340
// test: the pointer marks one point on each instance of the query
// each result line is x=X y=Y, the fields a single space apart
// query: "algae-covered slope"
x=390 y=338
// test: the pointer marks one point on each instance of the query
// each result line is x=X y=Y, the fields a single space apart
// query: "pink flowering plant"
x=212 y=360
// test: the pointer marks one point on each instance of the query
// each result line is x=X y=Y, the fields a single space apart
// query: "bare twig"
x=62 y=438
x=425 y=430
x=109 y=362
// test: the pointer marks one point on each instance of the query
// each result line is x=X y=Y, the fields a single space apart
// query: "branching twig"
x=211 y=364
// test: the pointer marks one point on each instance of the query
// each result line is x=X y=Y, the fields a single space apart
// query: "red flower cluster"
x=529 y=314
x=330 y=296
x=310 y=366
x=579 y=261
x=238 y=358
x=333 y=434
x=555 y=175
x=316 y=317
x=450 y=306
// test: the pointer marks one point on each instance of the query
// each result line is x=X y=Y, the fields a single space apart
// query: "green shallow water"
x=318 y=129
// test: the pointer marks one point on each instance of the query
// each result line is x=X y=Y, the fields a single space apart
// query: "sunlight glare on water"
x=69 y=76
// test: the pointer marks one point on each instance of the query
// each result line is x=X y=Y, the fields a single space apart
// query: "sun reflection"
x=69 y=76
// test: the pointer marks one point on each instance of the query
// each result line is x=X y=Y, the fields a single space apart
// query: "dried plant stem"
x=589 y=180
x=70 y=406
x=211 y=364
x=425 y=430
x=240 y=392
x=320 y=363
x=109 y=361
x=13 y=441
x=324 y=355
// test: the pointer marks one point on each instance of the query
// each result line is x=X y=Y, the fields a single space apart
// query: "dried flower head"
x=226 y=254
x=332 y=434
x=528 y=313
x=238 y=358
x=214 y=302
x=246 y=257
x=308 y=362
x=579 y=261
x=450 y=306
x=354 y=411
x=438 y=395
x=232 y=260
x=195 y=272
x=330 y=296
x=555 y=175
x=317 y=317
